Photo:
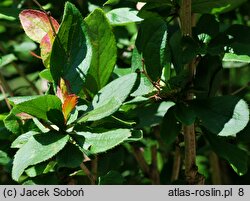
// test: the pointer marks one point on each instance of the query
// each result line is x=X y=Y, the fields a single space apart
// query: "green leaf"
x=45 y=74
x=208 y=76
x=236 y=157
x=36 y=24
x=39 y=148
x=71 y=51
x=170 y=128
x=104 y=50
x=225 y=116
x=4 y=159
x=137 y=61
x=145 y=87
x=41 y=168
x=119 y=89
x=20 y=99
x=65 y=159
x=13 y=123
x=103 y=111
x=207 y=24
x=184 y=114
x=153 y=114
x=231 y=57
x=56 y=117
x=9 y=13
x=123 y=16
x=238 y=121
x=38 y=106
x=6 y=59
x=176 y=51
x=111 y=2
x=153 y=1
x=215 y=6
x=109 y=99
x=22 y=139
x=111 y=178
x=151 y=42
x=101 y=142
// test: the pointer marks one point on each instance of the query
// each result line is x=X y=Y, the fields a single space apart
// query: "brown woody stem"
x=88 y=173
x=192 y=176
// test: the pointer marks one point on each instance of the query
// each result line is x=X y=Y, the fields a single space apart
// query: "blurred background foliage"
x=19 y=76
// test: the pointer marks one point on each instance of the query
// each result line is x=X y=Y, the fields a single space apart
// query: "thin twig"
x=21 y=73
x=5 y=85
x=240 y=89
x=47 y=14
x=88 y=173
x=5 y=97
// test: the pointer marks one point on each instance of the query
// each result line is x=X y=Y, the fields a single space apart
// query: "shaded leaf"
x=151 y=42
x=40 y=169
x=225 y=116
x=57 y=118
x=73 y=47
x=208 y=76
x=170 y=128
x=153 y=114
x=111 y=178
x=65 y=159
x=236 y=157
x=215 y=6
x=184 y=114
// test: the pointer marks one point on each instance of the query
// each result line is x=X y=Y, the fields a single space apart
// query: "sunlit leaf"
x=36 y=24
x=39 y=148
x=68 y=105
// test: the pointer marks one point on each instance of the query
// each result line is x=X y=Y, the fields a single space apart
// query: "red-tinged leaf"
x=68 y=105
x=63 y=90
x=36 y=24
x=46 y=47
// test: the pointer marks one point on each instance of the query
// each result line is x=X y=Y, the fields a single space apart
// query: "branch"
x=4 y=94
x=140 y=159
x=192 y=176
x=94 y=167
x=88 y=173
